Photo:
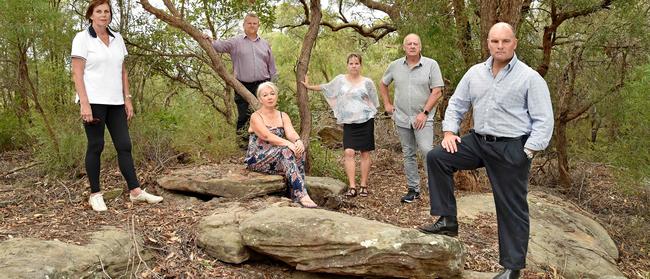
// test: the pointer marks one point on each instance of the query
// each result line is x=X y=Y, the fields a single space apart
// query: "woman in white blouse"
x=102 y=88
x=353 y=98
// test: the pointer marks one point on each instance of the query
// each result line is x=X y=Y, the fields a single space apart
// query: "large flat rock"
x=561 y=236
x=317 y=240
x=110 y=252
x=235 y=181
x=225 y=180
x=218 y=233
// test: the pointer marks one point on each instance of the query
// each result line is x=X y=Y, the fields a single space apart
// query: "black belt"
x=491 y=138
x=253 y=82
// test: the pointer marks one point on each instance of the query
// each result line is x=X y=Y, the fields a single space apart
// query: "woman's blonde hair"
x=266 y=84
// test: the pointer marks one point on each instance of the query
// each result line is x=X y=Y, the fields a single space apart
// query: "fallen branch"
x=21 y=168
x=67 y=191
x=137 y=249
x=103 y=270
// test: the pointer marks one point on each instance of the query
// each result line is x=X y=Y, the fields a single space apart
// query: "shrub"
x=12 y=132
x=324 y=162
x=72 y=142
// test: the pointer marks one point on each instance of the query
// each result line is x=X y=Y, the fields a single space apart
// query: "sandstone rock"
x=111 y=251
x=322 y=189
x=561 y=236
x=174 y=197
x=227 y=180
x=467 y=274
x=317 y=240
x=331 y=136
x=297 y=274
x=219 y=234
x=234 y=181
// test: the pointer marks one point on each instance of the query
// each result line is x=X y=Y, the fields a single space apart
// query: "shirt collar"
x=418 y=64
x=256 y=39
x=513 y=61
x=93 y=34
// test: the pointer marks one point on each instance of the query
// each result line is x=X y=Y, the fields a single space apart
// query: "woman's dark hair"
x=358 y=56
x=93 y=4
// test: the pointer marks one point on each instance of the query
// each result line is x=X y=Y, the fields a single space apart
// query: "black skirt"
x=359 y=136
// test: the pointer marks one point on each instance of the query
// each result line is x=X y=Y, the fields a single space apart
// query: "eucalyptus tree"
x=34 y=39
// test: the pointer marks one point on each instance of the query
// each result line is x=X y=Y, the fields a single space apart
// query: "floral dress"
x=264 y=157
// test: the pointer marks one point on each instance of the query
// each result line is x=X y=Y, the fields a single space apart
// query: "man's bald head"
x=412 y=45
x=502 y=43
x=502 y=26
x=411 y=36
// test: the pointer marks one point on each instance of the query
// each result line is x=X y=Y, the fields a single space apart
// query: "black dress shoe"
x=507 y=274
x=446 y=225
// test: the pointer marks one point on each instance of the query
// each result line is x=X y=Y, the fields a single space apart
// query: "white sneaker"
x=146 y=197
x=97 y=202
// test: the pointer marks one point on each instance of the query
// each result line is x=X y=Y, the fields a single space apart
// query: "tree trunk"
x=493 y=11
x=308 y=43
x=562 y=154
x=23 y=95
x=464 y=32
x=26 y=85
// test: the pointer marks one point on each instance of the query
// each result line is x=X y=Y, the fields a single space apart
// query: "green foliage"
x=324 y=162
x=432 y=21
x=72 y=142
x=185 y=127
x=12 y=132
x=630 y=142
x=623 y=140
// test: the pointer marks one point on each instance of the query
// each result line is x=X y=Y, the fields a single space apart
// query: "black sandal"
x=352 y=192
x=363 y=191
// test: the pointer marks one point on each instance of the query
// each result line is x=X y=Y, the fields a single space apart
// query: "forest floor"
x=36 y=205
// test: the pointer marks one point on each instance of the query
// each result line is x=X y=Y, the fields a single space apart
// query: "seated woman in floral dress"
x=274 y=146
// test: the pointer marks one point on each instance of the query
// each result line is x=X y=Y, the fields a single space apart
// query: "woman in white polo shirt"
x=102 y=87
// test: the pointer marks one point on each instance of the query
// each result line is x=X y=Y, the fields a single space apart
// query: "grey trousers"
x=508 y=168
x=415 y=140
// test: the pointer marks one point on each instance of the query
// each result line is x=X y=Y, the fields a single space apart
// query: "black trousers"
x=508 y=168
x=243 y=110
x=114 y=118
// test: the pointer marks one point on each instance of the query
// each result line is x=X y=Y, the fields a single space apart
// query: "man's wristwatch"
x=426 y=112
x=529 y=153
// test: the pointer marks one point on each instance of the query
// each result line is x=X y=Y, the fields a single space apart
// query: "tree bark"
x=308 y=43
x=464 y=32
x=493 y=11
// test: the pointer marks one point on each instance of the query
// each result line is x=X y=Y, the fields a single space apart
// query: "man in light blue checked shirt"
x=418 y=86
x=513 y=118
